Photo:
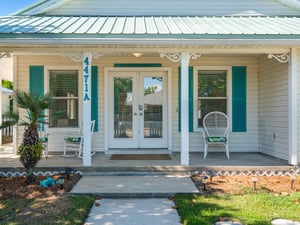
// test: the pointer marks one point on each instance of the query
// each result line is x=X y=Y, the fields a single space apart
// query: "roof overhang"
x=214 y=34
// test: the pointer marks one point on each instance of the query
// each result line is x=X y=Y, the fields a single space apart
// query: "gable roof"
x=163 y=8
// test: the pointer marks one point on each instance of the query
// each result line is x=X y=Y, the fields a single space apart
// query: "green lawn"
x=68 y=210
x=248 y=208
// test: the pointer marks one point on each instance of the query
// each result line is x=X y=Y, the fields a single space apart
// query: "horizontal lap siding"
x=239 y=141
x=273 y=107
x=56 y=142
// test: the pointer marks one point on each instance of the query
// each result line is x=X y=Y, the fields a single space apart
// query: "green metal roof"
x=150 y=27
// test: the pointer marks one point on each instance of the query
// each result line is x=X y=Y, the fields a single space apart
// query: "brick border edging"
x=291 y=172
x=295 y=171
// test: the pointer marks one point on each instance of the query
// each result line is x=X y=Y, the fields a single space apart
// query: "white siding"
x=56 y=135
x=273 y=107
x=239 y=142
x=171 y=7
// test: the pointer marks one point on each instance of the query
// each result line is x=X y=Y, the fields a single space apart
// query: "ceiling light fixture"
x=137 y=54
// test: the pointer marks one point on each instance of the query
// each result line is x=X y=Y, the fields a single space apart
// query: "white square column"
x=87 y=61
x=293 y=117
x=184 y=120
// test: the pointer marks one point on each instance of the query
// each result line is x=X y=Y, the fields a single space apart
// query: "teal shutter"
x=94 y=101
x=191 y=99
x=36 y=83
x=36 y=79
x=239 y=92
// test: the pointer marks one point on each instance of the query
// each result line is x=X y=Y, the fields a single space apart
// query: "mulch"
x=18 y=188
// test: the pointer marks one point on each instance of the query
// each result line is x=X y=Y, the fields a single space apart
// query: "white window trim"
x=229 y=92
x=80 y=90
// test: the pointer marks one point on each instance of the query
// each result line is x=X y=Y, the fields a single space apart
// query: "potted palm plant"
x=31 y=149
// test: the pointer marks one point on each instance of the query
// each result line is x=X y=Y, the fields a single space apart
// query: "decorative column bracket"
x=176 y=57
x=5 y=55
x=78 y=57
x=282 y=58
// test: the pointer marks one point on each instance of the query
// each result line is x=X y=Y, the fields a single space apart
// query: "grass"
x=67 y=210
x=248 y=208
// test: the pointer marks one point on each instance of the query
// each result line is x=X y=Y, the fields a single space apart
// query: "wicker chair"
x=216 y=131
x=43 y=138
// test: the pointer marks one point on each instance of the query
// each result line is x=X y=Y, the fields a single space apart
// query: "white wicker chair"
x=43 y=138
x=216 y=131
x=74 y=142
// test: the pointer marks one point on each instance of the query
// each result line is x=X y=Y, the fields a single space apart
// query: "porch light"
x=254 y=180
x=137 y=54
x=212 y=174
x=293 y=178
x=68 y=172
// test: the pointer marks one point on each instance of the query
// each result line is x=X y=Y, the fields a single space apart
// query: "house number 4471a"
x=86 y=76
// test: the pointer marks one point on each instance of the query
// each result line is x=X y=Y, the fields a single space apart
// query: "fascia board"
x=146 y=41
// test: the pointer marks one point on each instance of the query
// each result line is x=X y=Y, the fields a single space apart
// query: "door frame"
x=107 y=70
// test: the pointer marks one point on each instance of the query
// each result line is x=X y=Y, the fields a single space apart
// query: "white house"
x=238 y=57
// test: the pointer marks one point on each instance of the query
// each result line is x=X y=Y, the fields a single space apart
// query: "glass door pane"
x=123 y=104
x=153 y=107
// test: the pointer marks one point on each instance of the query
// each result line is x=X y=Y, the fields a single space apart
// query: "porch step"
x=135 y=171
x=159 y=186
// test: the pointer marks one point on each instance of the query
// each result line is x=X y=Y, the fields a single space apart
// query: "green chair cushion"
x=72 y=139
x=43 y=139
x=216 y=139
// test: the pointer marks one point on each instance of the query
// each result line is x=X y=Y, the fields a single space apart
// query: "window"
x=211 y=93
x=63 y=84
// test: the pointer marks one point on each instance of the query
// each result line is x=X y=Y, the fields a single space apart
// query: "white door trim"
x=107 y=70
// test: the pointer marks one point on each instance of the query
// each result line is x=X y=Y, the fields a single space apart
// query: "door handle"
x=135 y=114
x=141 y=114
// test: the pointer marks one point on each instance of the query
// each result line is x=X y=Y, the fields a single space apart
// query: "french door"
x=138 y=110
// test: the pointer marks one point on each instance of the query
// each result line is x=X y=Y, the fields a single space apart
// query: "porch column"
x=185 y=58
x=293 y=134
x=87 y=57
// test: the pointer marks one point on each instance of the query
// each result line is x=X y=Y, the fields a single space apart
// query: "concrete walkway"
x=133 y=212
x=134 y=200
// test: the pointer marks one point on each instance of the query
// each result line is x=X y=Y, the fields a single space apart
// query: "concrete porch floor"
x=218 y=161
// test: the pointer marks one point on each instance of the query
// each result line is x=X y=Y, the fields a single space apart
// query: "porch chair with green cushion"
x=216 y=131
x=74 y=142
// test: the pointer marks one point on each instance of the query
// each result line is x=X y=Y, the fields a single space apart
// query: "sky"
x=10 y=6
